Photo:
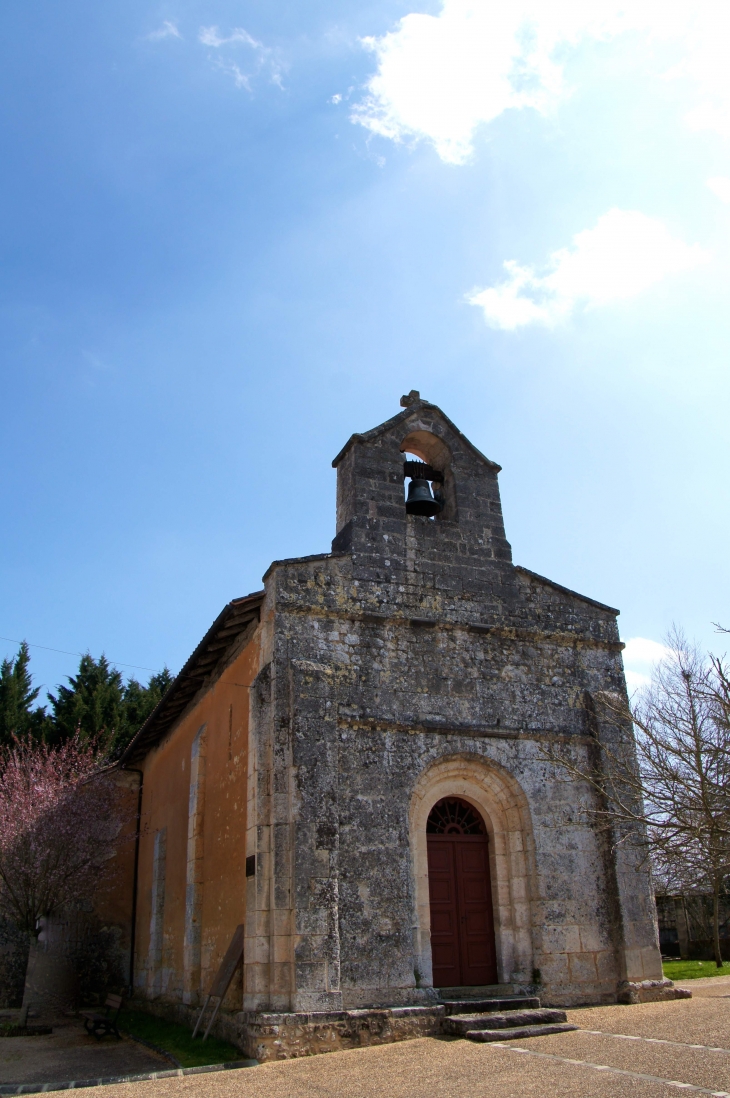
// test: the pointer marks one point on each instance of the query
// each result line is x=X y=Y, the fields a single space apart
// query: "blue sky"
x=234 y=233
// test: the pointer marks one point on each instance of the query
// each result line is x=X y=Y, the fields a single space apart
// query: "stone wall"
x=287 y=1036
x=413 y=662
x=267 y=1036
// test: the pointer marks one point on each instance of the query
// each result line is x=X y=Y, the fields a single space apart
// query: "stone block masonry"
x=286 y=1036
x=266 y=1036
x=413 y=666
x=416 y=662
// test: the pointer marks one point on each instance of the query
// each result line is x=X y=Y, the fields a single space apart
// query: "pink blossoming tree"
x=59 y=819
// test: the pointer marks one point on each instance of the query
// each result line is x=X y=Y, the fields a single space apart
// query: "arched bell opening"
x=430 y=490
x=423 y=488
x=463 y=946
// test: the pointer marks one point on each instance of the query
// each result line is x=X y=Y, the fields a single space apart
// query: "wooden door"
x=476 y=926
x=443 y=891
x=462 y=927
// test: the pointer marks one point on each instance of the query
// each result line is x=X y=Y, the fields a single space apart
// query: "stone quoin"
x=353 y=765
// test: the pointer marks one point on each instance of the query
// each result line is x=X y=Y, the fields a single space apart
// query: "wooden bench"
x=97 y=1024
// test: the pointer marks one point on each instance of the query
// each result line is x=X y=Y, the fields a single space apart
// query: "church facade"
x=354 y=764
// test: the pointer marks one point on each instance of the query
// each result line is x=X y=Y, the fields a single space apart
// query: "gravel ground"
x=69 y=1053
x=601 y=1064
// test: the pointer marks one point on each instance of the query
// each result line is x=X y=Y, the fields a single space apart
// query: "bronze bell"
x=420 y=501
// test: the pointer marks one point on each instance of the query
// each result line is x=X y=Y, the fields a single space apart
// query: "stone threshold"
x=355 y=1016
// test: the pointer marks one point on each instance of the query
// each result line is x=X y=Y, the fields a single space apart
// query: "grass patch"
x=10 y=1029
x=178 y=1040
x=692 y=970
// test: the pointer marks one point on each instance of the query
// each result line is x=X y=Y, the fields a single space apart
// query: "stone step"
x=519 y=1032
x=462 y=1024
x=483 y=991
x=494 y=1006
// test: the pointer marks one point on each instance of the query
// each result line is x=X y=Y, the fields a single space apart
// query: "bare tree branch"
x=661 y=771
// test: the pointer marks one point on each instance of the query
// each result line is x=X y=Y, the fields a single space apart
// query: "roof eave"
x=137 y=748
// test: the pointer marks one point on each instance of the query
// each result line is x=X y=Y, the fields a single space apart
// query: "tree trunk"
x=49 y=977
x=716 y=921
x=27 y=995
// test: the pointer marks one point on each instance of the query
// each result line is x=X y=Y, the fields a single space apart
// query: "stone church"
x=352 y=764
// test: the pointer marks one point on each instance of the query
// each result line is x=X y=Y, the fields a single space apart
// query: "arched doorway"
x=463 y=950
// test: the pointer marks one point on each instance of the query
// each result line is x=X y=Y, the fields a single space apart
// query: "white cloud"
x=720 y=185
x=636 y=681
x=211 y=36
x=264 y=59
x=240 y=79
x=624 y=254
x=167 y=30
x=640 y=657
x=642 y=651
x=707 y=40
x=440 y=76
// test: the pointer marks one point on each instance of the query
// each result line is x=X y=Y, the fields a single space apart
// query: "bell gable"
x=417 y=476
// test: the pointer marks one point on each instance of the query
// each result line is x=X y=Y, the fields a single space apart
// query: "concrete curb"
x=75 y=1084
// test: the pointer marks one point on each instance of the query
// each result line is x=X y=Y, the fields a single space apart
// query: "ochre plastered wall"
x=224 y=711
x=113 y=898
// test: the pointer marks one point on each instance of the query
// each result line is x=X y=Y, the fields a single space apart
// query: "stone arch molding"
x=504 y=808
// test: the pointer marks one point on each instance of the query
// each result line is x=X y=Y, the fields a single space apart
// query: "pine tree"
x=138 y=703
x=17 y=696
x=96 y=704
x=91 y=705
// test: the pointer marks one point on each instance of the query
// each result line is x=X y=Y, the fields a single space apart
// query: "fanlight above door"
x=452 y=816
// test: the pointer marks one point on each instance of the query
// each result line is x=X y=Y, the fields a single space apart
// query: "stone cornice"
x=499 y=632
x=454 y=728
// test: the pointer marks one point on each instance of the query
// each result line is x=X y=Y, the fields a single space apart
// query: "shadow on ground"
x=70 y=1053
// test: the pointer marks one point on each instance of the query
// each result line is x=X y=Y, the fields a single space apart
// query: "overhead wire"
x=63 y=652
